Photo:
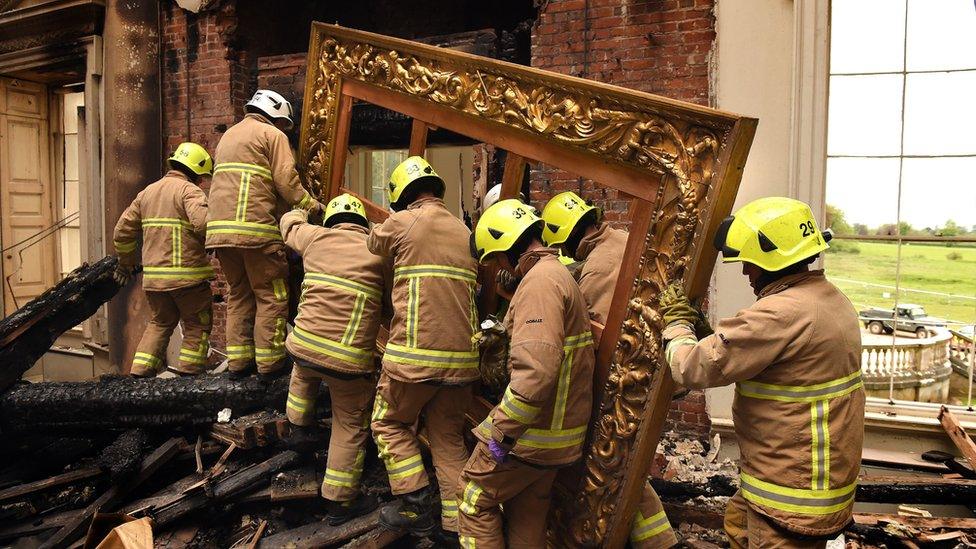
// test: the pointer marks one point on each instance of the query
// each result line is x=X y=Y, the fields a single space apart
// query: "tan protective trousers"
x=257 y=306
x=651 y=529
x=397 y=408
x=523 y=489
x=747 y=528
x=192 y=307
x=352 y=400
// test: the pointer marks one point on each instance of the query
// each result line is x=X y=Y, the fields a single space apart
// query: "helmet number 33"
x=518 y=213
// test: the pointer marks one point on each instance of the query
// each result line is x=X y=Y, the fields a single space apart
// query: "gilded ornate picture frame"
x=679 y=163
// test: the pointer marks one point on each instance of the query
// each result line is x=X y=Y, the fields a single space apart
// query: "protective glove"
x=492 y=342
x=675 y=306
x=506 y=281
x=499 y=452
x=122 y=274
x=702 y=327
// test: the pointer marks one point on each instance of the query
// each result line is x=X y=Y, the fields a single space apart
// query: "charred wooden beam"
x=115 y=402
x=320 y=534
x=73 y=529
x=31 y=330
x=40 y=485
x=227 y=488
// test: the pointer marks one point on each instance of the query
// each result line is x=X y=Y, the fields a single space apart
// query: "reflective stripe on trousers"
x=647 y=528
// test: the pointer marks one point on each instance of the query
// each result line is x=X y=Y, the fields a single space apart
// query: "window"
x=901 y=191
x=368 y=173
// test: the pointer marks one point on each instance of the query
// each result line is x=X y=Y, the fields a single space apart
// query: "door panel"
x=26 y=206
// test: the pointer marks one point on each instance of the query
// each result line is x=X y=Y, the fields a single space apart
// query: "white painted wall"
x=762 y=48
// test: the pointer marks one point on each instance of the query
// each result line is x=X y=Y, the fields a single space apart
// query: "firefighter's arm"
x=384 y=237
x=127 y=232
x=296 y=231
x=195 y=206
x=286 y=180
x=535 y=355
x=741 y=347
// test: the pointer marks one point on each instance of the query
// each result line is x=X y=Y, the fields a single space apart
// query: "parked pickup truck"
x=910 y=318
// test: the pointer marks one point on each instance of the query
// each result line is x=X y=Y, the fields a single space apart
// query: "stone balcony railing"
x=917 y=369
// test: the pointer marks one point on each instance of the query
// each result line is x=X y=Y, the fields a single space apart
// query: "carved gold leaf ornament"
x=679 y=146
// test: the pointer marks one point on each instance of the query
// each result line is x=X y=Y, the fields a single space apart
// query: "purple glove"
x=498 y=451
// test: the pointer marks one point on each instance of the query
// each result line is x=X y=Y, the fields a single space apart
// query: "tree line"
x=837 y=221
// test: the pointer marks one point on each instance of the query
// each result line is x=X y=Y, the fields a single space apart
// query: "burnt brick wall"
x=657 y=46
x=205 y=85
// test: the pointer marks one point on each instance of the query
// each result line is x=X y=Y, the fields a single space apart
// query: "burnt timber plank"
x=57 y=480
x=75 y=528
x=320 y=534
x=31 y=330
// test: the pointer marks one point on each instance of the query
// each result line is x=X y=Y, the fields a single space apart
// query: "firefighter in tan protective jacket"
x=334 y=340
x=253 y=178
x=795 y=359
x=576 y=227
x=170 y=216
x=540 y=424
x=430 y=361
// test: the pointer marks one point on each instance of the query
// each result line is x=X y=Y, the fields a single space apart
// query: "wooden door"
x=26 y=194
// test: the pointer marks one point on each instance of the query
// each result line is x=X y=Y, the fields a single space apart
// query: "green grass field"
x=923 y=267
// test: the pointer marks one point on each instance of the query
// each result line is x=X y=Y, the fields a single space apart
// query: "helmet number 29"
x=807 y=228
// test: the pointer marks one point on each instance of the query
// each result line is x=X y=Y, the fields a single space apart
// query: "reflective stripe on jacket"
x=341 y=302
x=795 y=357
x=434 y=309
x=170 y=217
x=254 y=176
x=546 y=407
x=601 y=253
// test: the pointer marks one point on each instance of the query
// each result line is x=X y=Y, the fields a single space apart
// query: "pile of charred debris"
x=206 y=461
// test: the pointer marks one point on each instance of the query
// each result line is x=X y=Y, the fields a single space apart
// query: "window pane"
x=865 y=115
x=937 y=191
x=867 y=35
x=865 y=190
x=940 y=113
x=940 y=34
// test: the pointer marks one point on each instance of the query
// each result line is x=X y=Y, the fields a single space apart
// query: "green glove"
x=702 y=327
x=675 y=306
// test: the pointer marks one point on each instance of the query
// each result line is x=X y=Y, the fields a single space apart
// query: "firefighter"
x=170 y=217
x=578 y=229
x=430 y=360
x=254 y=174
x=334 y=340
x=795 y=357
x=541 y=422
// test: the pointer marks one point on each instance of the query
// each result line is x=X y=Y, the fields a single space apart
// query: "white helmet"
x=491 y=197
x=271 y=104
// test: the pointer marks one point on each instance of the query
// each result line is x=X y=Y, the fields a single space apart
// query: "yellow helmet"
x=409 y=172
x=345 y=205
x=771 y=233
x=194 y=157
x=500 y=227
x=561 y=215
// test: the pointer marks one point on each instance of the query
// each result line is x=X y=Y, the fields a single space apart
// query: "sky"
x=868 y=36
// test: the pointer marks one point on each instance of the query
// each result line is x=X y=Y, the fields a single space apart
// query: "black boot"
x=282 y=370
x=340 y=512
x=446 y=539
x=304 y=439
x=243 y=372
x=414 y=512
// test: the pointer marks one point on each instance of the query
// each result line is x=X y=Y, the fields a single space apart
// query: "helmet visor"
x=721 y=238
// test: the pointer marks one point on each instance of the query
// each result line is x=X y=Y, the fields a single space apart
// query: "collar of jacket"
x=355 y=227
x=177 y=174
x=259 y=117
x=588 y=243
x=529 y=259
x=788 y=281
x=421 y=202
